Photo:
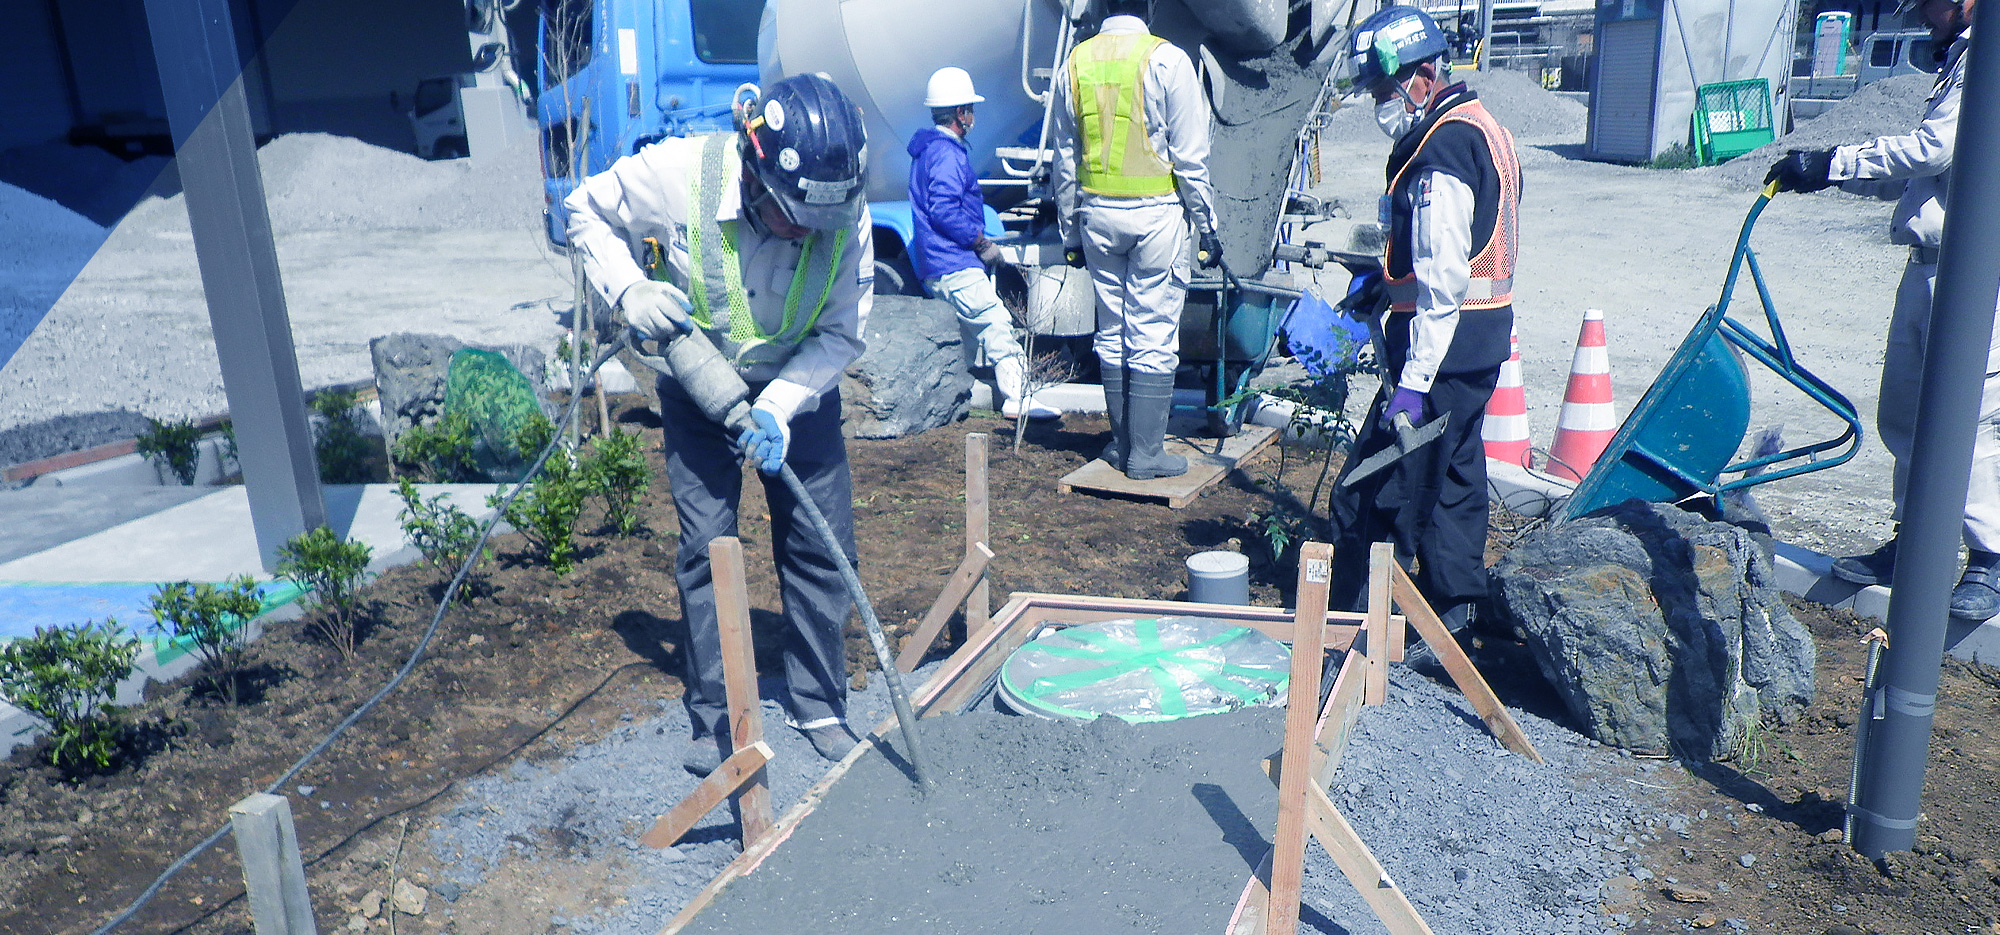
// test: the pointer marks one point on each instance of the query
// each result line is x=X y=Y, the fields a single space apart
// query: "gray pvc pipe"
x=1892 y=770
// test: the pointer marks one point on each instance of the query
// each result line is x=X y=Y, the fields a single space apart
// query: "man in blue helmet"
x=1915 y=169
x=763 y=241
x=1448 y=267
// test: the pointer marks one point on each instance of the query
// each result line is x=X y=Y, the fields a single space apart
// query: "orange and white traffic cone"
x=1506 y=429
x=1588 y=419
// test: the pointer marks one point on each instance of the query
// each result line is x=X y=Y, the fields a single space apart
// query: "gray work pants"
x=1138 y=259
x=1896 y=412
x=707 y=480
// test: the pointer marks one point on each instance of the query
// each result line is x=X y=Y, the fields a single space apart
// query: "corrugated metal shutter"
x=1621 y=106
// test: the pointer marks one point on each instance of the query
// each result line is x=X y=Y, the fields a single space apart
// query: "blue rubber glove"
x=1406 y=402
x=766 y=443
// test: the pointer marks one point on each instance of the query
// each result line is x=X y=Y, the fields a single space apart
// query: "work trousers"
x=1138 y=259
x=707 y=479
x=1431 y=504
x=1896 y=412
x=984 y=323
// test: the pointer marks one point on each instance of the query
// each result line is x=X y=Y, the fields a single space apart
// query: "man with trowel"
x=1417 y=475
x=950 y=249
x=1130 y=129
x=761 y=239
x=1915 y=168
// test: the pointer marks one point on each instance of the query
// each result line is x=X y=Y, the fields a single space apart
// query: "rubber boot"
x=1151 y=397
x=1114 y=409
x=1977 y=599
x=1009 y=377
x=1876 y=567
x=1418 y=654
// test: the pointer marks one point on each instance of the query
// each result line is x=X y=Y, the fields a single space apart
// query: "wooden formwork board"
x=1208 y=459
x=967 y=673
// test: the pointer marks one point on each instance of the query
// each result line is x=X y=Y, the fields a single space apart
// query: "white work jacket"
x=1441 y=258
x=1914 y=167
x=647 y=195
x=1176 y=125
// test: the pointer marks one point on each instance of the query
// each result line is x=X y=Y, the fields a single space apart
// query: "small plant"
x=172 y=446
x=1677 y=156
x=1039 y=372
x=332 y=569
x=617 y=473
x=547 y=512
x=1279 y=528
x=232 y=457
x=213 y=619
x=65 y=677
x=441 y=452
x=442 y=532
x=338 y=444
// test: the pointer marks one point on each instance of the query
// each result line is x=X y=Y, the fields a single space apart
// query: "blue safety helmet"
x=1392 y=39
x=804 y=141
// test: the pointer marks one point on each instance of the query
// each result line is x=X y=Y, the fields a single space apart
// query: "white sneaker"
x=1011 y=408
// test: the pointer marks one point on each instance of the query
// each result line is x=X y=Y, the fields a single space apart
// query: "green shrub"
x=441 y=452
x=442 y=532
x=333 y=570
x=232 y=457
x=617 y=474
x=547 y=512
x=1677 y=156
x=215 y=620
x=338 y=444
x=65 y=677
x=173 y=446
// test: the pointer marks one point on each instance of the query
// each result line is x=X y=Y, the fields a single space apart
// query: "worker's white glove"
x=656 y=310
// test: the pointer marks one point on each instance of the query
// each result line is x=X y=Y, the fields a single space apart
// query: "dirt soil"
x=535 y=666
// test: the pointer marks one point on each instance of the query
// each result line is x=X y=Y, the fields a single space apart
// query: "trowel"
x=1409 y=438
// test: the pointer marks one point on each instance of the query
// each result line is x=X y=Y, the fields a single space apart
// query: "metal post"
x=1892 y=772
x=272 y=872
x=201 y=78
x=1485 y=35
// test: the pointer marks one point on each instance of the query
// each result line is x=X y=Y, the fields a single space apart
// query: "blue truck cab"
x=615 y=75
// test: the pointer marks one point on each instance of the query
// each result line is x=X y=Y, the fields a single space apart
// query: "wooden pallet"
x=1206 y=465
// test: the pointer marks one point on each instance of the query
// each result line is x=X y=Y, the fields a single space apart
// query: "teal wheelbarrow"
x=1682 y=438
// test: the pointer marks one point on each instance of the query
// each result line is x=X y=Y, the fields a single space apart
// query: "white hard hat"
x=950 y=87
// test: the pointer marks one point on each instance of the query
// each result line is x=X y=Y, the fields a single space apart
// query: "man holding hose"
x=761 y=238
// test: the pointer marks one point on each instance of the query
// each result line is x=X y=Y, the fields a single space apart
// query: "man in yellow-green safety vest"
x=763 y=240
x=1130 y=126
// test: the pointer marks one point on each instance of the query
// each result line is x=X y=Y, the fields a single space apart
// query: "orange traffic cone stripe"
x=1506 y=428
x=1588 y=418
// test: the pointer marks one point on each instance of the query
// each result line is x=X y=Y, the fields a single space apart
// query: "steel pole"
x=201 y=77
x=1892 y=769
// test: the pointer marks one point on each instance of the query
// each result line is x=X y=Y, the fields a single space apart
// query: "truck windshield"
x=725 y=31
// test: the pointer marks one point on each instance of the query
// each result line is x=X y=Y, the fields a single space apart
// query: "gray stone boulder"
x=1662 y=631
x=912 y=378
x=410 y=371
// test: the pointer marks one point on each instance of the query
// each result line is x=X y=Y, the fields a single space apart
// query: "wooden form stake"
x=739 y=678
x=1288 y=850
x=970 y=576
x=1380 y=556
x=272 y=873
x=746 y=764
x=978 y=601
x=1463 y=673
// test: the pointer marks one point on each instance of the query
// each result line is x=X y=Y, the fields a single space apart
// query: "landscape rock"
x=913 y=377
x=1662 y=631
x=410 y=899
x=410 y=371
x=371 y=904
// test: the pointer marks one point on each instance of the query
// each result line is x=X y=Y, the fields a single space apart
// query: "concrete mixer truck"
x=1263 y=64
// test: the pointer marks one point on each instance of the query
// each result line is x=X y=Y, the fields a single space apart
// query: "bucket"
x=1219 y=578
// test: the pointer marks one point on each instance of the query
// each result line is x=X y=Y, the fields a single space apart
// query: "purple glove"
x=1407 y=402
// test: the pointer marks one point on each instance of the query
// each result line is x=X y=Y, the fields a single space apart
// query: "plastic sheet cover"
x=1146 y=669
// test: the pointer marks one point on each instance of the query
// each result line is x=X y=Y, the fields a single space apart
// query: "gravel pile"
x=1480 y=839
x=42 y=247
x=319 y=182
x=1533 y=113
x=1882 y=108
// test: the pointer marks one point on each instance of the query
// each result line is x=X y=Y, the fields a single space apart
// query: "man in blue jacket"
x=950 y=249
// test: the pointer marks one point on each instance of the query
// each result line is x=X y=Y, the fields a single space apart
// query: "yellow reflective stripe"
x=1106 y=84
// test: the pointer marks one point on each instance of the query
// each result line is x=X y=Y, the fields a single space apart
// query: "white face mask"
x=1394 y=119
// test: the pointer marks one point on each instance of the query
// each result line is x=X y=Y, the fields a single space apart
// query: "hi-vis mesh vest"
x=1492 y=283
x=713 y=257
x=1106 y=84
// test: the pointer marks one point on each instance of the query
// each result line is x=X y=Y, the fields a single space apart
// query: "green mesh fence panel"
x=1146 y=669
x=498 y=399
